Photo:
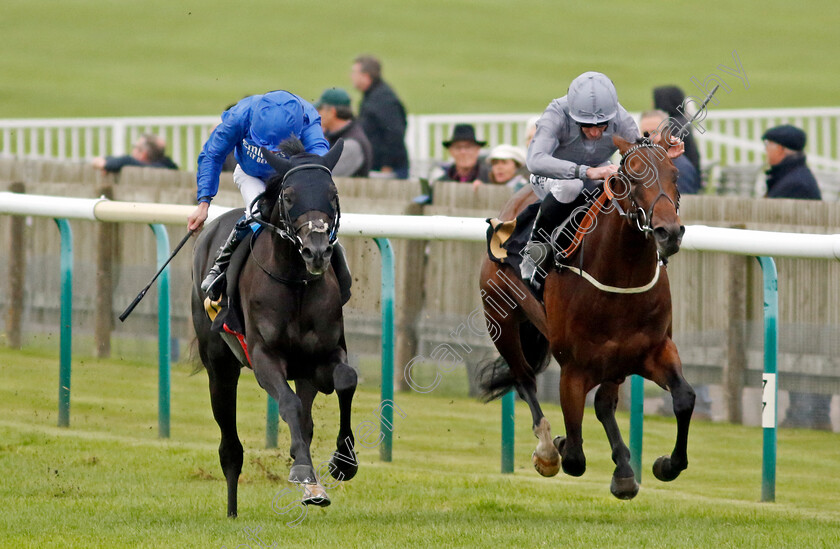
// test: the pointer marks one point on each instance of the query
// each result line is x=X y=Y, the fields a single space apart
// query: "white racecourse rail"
x=726 y=137
x=473 y=229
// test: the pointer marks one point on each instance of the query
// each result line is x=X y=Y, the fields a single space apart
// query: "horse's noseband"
x=636 y=215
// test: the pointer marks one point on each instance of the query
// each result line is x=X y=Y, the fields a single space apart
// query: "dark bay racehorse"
x=294 y=327
x=600 y=329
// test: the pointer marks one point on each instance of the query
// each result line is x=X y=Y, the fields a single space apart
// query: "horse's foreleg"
x=623 y=485
x=667 y=372
x=667 y=468
x=306 y=392
x=313 y=492
x=572 y=399
x=343 y=465
x=270 y=376
x=223 y=383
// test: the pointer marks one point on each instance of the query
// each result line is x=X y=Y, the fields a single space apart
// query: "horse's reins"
x=286 y=228
x=643 y=221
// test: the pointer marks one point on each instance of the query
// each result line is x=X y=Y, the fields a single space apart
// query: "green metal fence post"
x=66 y=338
x=164 y=365
x=771 y=391
x=386 y=422
x=272 y=422
x=637 y=418
x=508 y=412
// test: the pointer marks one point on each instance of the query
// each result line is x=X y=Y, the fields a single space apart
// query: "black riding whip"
x=142 y=293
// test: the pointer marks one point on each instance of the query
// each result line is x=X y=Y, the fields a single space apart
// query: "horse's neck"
x=619 y=245
x=280 y=254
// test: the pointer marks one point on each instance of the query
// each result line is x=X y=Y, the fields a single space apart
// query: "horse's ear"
x=280 y=164
x=331 y=158
x=623 y=146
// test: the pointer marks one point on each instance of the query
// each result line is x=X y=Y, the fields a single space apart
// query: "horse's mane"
x=293 y=149
x=290 y=147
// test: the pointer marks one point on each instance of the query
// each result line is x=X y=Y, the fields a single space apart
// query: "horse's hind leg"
x=343 y=465
x=223 y=384
x=524 y=349
x=667 y=372
x=623 y=485
x=546 y=458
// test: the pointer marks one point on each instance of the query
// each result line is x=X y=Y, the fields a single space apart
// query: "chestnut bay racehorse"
x=609 y=319
x=291 y=306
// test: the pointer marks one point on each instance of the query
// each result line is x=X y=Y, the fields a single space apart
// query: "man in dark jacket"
x=788 y=176
x=382 y=116
x=670 y=99
x=338 y=123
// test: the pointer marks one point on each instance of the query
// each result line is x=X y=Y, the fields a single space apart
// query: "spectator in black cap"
x=338 y=123
x=788 y=176
x=464 y=149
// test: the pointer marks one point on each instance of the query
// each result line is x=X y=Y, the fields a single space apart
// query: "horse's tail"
x=495 y=376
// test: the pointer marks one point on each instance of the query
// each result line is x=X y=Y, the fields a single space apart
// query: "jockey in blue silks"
x=256 y=121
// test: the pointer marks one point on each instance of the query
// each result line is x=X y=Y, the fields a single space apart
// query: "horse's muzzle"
x=668 y=239
x=317 y=259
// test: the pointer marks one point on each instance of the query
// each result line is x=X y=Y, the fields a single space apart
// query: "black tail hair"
x=495 y=376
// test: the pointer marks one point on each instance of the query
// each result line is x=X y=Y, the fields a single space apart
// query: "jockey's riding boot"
x=539 y=255
x=214 y=283
x=342 y=271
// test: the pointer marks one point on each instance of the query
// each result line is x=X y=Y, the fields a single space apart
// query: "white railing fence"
x=731 y=137
x=81 y=139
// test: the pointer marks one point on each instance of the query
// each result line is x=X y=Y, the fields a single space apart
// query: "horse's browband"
x=304 y=167
x=643 y=145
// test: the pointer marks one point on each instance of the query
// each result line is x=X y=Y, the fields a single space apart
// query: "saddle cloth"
x=226 y=314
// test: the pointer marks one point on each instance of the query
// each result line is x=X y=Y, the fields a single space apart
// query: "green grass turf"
x=97 y=58
x=108 y=481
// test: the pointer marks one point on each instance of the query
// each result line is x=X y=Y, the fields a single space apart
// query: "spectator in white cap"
x=506 y=164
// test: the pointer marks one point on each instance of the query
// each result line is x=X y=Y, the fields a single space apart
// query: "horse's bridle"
x=285 y=229
x=641 y=219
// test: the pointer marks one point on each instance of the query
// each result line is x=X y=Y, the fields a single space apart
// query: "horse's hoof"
x=343 y=467
x=664 y=470
x=315 y=494
x=546 y=467
x=302 y=474
x=574 y=468
x=624 y=488
x=559 y=443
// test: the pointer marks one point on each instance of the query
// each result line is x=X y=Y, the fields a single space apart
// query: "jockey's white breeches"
x=249 y=186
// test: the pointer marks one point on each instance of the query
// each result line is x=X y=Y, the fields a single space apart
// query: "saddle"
x=507 y=239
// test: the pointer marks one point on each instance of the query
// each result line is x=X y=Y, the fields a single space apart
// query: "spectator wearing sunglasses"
x=572 y=149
